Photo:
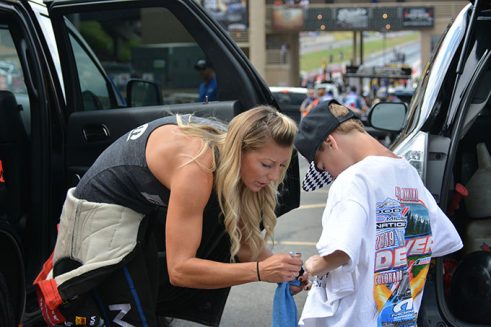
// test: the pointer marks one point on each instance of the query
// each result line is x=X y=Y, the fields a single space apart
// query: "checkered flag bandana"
x=315 y=178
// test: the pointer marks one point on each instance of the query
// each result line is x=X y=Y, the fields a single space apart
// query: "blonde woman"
x=210 y=190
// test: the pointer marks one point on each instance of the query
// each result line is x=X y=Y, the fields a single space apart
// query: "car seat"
x=14 y=156
x=477 y=235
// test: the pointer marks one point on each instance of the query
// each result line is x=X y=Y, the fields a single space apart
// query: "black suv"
x=74 y=76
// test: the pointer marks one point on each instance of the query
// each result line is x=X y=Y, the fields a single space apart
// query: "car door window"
x=95 y=93
x=11 y=76
x=146 y=44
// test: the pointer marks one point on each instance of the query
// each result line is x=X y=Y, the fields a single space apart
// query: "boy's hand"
x=317 y=265
x=313 y=264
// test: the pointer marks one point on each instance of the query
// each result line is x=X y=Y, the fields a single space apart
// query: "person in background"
x=307 y=102
x=203 y=194
x=328 y=96
x=380 y=226
x=208 y=89
x=355 y=102
x=391 y=96
x=322 y=96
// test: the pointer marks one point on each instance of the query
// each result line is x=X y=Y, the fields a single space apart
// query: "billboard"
x=417 y=17
x=287 y=19
x=368 y=18
x=352 y=18
x=233 y=15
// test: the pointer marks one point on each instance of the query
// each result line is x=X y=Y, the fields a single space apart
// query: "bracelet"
x=257 y=271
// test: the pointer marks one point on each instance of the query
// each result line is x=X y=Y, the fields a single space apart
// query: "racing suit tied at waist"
x=96 y=235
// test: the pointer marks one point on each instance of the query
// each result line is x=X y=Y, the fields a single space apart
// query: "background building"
x=271 y=34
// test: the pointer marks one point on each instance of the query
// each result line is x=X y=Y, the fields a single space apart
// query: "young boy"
x=380 y=227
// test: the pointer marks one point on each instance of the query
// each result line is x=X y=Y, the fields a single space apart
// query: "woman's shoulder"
x=173 y=146
x=169 y=152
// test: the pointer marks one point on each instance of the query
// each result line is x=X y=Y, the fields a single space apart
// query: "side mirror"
x=388 y=116
x=142 y=93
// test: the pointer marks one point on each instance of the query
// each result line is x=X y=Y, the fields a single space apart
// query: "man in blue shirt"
x=355 y=102
x=208 y=89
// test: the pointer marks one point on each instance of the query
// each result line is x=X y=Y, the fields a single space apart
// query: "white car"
x=289 y=99
x=329 y=87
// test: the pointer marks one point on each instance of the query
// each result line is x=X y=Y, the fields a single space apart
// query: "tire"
x=7 y=316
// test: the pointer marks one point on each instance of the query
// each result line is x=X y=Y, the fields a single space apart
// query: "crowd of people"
x=324 y=92
x=349 y=96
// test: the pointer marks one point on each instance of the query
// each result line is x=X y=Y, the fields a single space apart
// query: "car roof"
x=286 y=89
x=325 y=85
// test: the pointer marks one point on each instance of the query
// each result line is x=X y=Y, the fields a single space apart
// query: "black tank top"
x=121 y=176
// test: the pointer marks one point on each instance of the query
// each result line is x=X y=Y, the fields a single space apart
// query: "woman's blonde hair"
x=243 y=210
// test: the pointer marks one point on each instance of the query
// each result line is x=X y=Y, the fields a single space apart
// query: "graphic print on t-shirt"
x=402 y=256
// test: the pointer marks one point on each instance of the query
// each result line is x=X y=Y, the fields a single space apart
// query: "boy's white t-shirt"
x=380 y=214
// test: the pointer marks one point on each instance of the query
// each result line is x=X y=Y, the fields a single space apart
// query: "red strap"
x=49 y=291
x=52 y=317
x=47 y=267
x=48 y=296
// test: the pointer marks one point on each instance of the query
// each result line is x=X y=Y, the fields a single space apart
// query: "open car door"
x=155 y=44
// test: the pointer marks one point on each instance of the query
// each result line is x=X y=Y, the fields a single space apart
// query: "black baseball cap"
x=202 y=64
x=313 y=130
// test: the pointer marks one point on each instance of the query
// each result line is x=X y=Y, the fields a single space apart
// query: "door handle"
x=95 y=133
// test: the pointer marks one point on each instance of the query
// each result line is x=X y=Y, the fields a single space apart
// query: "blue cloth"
x=284 y=307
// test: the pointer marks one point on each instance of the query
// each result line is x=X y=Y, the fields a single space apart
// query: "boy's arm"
x=317 y=265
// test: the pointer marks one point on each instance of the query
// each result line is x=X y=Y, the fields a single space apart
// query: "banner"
x=231 y=14
x=287 y=19
x=352 y=18
x=417 y=17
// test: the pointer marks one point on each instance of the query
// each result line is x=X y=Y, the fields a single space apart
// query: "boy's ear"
x=326 y=143
x=330 y=142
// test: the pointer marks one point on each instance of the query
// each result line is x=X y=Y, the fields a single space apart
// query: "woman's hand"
x=305 y=284
x=279 y=268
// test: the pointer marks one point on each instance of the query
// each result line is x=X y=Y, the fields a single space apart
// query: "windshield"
x=434 y=74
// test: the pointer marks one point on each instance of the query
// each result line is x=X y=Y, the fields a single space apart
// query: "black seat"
x=14 y=154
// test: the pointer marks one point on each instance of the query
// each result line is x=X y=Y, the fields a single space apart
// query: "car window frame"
x=39 y=229
x=248 y=88
x=426 y=93
x=115 y=97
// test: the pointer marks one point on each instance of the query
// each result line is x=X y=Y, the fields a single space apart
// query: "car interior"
x=467 y=273
x=15 y=154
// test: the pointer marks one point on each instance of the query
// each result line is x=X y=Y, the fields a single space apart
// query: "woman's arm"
x=191 y=186
x=245 y=254
x=190 y=191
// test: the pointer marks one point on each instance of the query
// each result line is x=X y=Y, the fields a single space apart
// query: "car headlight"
x=415 y=152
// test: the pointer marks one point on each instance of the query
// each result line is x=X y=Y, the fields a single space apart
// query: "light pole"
x=385 y=17
x=384 y=37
